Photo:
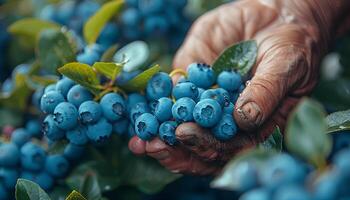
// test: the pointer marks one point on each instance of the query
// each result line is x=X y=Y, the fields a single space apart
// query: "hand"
x=292 y=37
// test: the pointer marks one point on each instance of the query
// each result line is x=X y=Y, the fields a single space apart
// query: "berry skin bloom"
x=9 y=155
x=159 y=86
x=183 y=109
x=90 y=112
x=51 y=130
x=207 y=113
x=64 y=85
x=146 y=126
x=56 y=165
x=50 y=100
x=113 y=106
x=78 y=135
x=163 y=109
x=167 y=132
x=100 y=132
x=66 y=116
x=32 y=157
x=78 y=94
x=201 y=75
x=226 y=128
x=229 y=80
x=185 y=89
x=138 y=110
x=219 y=94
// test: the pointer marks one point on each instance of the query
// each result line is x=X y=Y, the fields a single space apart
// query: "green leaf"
x=240 y=57
x=110 y=70
x=274 y=141
x=109 y=53
x=95 y=24
x=140 y=81
x=75 y=196
x=338 y=121
x=90 y=187
x=306 y=133
x=82 y=74
x=54 y=50
x=44 y=80
x=27 y=190
x=31 y=27
x=229 y=179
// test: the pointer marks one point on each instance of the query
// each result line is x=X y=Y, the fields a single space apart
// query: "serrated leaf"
x=83 y=74
x=110 y=70
x=306 y=133
x=140 y=81
x=229 y=177
x=274 y=141
x=338 y=121
x=54 y=50
x=31 y=27
x=95 y=24
x=75 y=196
x=240 y=57
x=109 y=53
x=27 y=190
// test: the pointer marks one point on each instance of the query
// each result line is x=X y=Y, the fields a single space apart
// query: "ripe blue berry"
x=88 y=57
x=36 y=98
x=32 y=157
x=246 y=175
x=225 y=96
x=229 y=80
x=152 y=105
x=73 y=152
x=78 y=94
x=51 y=87
x=200 y=92
x=183 y=109
x=202 y=75
x=233 y=97
x=34 y=128
x=229 y=109
x=9 y=177
x=289 y=192
x=207 y=113
x=56 y=165
x=78 y=135
x=163 y=109
x=20 y=136
x=109 y=35
x=226 y=128
x=66 y=116
x=90 y=112
x=217 y=94
x=43 y=179
x=9 y=155
x=130 y=17
x=186 y=89
x=99 y=132
x=167 y=132
x=51 y=130
x=138 y=110
x=328 y=185
x=342 y=161
x=148 y=7
x=159 y=86
x=64 y=85
x=50 y=100
x=256 y=194
x=113 y=106
x=133 y=99
x=124 y=77
x=131 y=130
x=146 y=126
x=121 y=127
x=156 y=25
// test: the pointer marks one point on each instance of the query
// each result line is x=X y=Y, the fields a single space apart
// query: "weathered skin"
x=292 y=36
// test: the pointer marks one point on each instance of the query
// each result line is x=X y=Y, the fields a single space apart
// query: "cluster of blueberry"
x=24 y=157
x=283 y=177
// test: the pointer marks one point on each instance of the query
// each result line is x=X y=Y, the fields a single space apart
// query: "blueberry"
x=229 y=80
x=113 y=106
x=327 y=186
x=183 y=109
x=159 y=86
x=163 y=109
x=89 y=57
x=9 y=155
x=186 y=89
x=73 y=152
x=234 y=97
x=342 y=161
x=245 y=174
x=146 y=126
x=292 y=192
x=182 y=79
x=20 y=136
x=200 y=92
x=138 y=110
x=64 y=85
x=229 y=109
x=130 y=17
x=207 y=113
x=131 y=130
x=109 y=35
x=78 y=94
x=9 y=177
x=152 y=105
x=133 y=99
x=3 y=192
x=281 y=169
x=95 y=48
x=66 y=116
x=56 y=165
x=132 y=33
x=86 y=9
x=156 y=25
x=36 y=97
x=132 y=3
x=90 y=112
x=201 y=75
x=78 y=135
x=226 y=128
x=50 y=100
x=256 y=194
x=32 y=157
x=225 y=97
x=51 y=87
x=51 y=130
x=167 y=132
x=121 y=127
x=48 y=13
x=33 y=127
x=65 y=12
x=148 y=7
x=99 y=132
x=124 y=77
x=217 y=94
x=180 y=4
x=43 y=179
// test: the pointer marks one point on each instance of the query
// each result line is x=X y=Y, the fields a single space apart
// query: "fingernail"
x=251 y=115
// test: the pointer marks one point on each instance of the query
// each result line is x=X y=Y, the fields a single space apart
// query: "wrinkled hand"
x=292 y=37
